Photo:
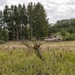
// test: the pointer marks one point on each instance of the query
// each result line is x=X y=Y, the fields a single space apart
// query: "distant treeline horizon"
x=30 y=22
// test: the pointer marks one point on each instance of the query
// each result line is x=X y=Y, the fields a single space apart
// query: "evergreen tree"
x=24 y=22
x=12 y=26
x=16 y=20
x=6 y=14
x=6 y=18
x=30 y=9
x=41 y=22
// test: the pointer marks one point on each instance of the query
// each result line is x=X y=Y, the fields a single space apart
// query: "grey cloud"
x=71 y=10
x=51 y=2
x=71 y=3
x=2 y=2
x=56 y=11
x=60 y=16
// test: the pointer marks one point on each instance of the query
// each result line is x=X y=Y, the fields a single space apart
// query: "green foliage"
x=65 y=27
x=25 y=22
x=3 y=35
x=38 y=20
x=2 y=42
x=69 y=37
x=63 y=32
x=23 y=62
x=41 y=23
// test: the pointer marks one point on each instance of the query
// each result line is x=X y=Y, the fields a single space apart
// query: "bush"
x=3 y=35
x=69 y=37
x=2 y=42
x=63 y=32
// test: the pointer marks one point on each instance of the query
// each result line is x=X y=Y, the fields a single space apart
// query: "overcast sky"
x=55 y=9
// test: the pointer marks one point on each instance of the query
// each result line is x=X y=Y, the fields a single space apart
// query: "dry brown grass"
x=63 y=45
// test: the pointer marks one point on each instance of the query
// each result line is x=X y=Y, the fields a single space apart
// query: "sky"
x=55 y=9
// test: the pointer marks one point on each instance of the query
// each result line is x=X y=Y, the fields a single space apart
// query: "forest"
x=21 y=22
x=65 y=28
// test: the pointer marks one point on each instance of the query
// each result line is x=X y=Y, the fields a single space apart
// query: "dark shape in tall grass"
x=35 y=46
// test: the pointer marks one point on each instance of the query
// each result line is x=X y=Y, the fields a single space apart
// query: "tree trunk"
x=17 y=33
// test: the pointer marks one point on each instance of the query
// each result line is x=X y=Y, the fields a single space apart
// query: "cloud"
x=2 y=2
x=60 y=9
x=71 y=3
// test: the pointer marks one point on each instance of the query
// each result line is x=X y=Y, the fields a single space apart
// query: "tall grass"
x=23 y=62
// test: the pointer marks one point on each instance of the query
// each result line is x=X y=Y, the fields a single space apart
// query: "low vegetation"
x=24 y=61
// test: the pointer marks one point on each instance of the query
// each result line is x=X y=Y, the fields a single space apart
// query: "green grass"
x=24 y=62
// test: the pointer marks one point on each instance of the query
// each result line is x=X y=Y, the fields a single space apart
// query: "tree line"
x=20 y=22
x=23 y=22
x=65 y=28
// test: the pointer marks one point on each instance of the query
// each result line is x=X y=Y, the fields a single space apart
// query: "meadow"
x=58 y=59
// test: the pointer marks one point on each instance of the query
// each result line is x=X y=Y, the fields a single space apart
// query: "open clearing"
x=62 y=44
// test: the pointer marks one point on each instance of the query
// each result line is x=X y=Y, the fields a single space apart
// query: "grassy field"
x=59 y=59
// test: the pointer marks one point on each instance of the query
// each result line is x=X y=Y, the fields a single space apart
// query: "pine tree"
x=16 y=19
x=12 y=26
x=41 y=22
x=24 y=21
x=30 y=9
x=6 y=18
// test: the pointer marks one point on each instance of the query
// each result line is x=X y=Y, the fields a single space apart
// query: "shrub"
x=2 y=42
x=63 y=32
x=69 y=37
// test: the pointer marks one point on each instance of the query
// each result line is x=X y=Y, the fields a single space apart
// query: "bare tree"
x=35 y=46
